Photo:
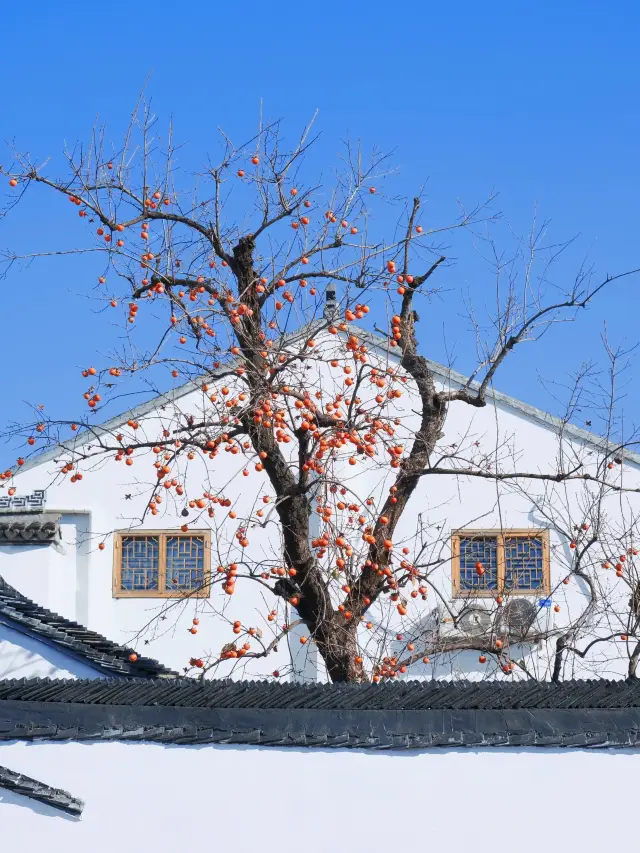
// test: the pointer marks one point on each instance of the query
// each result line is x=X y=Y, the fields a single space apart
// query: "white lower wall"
x=172 y=798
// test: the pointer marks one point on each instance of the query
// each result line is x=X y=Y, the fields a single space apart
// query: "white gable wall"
x=81 y=583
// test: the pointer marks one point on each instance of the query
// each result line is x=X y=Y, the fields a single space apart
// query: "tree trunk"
x=633 y=662
x=339 y=649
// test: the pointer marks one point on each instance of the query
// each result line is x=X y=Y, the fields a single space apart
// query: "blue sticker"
x=545 y=602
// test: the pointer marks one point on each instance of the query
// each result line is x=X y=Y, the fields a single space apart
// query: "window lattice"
x=512 y=561
x=483 y=550
x=185 y=562
x=140 y=563
x=164 y=563
x=524 y=563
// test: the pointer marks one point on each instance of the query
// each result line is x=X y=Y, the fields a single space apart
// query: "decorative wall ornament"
x=29 y=528
x=35 y=502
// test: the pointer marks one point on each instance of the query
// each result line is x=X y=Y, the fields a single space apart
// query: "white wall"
x=22 y=656
x=53 y=576
x=443 y=504
x=135 y=621
x=173 y=798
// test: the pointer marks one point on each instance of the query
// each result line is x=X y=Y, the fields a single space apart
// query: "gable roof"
x=406 y=715
x=447 y=375
x=455 y=379
x=138 y=412
x=74 y=640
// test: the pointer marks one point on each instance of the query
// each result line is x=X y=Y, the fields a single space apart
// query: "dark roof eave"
x=18 y=783
x=106 y=667
x=406 y=715
x=73 y=640
x=302 y=727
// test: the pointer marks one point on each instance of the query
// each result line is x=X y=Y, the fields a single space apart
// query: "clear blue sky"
x=536 y=100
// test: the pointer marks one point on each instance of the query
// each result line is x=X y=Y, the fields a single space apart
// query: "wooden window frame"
x=500 y=535
x=161 y=592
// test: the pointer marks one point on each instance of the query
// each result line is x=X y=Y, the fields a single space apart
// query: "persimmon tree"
x=231 y=274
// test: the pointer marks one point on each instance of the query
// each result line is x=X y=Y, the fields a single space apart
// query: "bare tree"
x=232 y=273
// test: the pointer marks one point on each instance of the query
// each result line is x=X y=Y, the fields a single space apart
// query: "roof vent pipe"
x=331 y=303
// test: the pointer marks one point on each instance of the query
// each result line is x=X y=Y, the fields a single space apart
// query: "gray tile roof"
x=24 y=615
x=275 y=695
x=18 y=783
x=408 y=715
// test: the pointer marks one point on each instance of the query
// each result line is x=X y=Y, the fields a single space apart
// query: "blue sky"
x=538 y=101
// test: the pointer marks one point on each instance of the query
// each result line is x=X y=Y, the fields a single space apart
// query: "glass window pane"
x=481 y=549
x=524 y=563
x=139 y=564
x=185 y=563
